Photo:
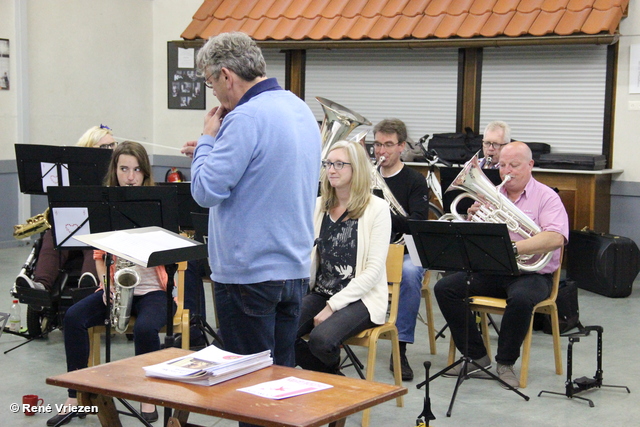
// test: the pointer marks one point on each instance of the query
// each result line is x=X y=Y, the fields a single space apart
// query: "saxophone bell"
x=125 y=280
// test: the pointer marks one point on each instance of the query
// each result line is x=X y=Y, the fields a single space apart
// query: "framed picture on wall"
x=186 y=91
x=4 y=64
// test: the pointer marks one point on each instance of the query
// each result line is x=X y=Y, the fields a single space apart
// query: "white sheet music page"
x=140 y=246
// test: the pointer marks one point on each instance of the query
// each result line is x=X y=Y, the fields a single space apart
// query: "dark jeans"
x=151 y=315
x=522 y=294
x=50 y=261
x=322 y=351
x=261 y=316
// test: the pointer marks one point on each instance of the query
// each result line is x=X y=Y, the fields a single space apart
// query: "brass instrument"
x=487 y=162
x=34 y=225
x=125 y=280
x=495 y=207
x=337 y=124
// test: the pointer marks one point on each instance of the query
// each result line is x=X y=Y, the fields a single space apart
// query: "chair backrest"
x=556 y=278
x=395 y=258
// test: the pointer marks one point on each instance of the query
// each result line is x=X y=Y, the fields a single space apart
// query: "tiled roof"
x=298 y=20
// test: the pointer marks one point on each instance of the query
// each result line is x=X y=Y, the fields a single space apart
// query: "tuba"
x=337 y=124
x=34 y=225
x=125 y=280
x=495 y=207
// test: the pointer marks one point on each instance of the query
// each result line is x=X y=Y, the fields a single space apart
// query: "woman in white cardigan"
x=348 y=285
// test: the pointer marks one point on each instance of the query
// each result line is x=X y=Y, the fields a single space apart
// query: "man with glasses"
x=410 y=189
x=496 y=135
x=256 y=168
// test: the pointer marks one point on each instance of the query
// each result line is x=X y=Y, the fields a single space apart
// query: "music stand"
x=470 y=247
x=43 y=166
x=201 y=227
x=186 y=204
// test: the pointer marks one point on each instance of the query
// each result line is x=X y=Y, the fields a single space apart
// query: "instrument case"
x=538 y=149
x=602 y=263
x=456 y=148
x=572 y=161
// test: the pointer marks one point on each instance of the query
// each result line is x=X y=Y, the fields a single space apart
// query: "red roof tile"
x=404 y=19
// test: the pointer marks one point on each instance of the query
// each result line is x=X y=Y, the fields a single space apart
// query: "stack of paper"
x=209 y=366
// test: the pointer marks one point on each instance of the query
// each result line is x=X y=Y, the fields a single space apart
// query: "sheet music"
x=50 y=176
x=413 y=251
x=141 y=245
x=67 y=221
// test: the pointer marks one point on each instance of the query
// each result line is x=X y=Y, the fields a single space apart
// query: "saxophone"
x=125 y=281
x=34 y=225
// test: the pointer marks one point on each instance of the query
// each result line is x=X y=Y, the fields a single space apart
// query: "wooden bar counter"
x=126 y=379
x=586 y=194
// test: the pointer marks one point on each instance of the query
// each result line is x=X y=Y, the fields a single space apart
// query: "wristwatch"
x=515 y=248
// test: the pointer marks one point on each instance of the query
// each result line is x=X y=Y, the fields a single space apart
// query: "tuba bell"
x=495 y=207
x=125 y=280
x=338 y=123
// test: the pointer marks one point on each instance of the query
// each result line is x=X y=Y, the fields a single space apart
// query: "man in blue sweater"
x=256 y=167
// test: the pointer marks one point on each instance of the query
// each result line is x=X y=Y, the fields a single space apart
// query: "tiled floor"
x=478 y=403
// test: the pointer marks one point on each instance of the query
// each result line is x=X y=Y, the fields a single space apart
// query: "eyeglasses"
x=109 y=146
x=387 y=145
x=104 y=127
x=494 y=145
x=336 y=165
x=206 y=81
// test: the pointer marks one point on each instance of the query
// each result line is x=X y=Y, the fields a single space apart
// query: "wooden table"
x=126 y=379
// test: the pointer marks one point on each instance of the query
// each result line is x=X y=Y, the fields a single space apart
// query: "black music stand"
x=41 y=166
x=201 y=227
x=470 y=247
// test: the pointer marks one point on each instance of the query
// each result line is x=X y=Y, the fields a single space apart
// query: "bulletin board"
x=186 y=91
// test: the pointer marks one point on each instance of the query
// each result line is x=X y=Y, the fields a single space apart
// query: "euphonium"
x=34 y=225
x=125 y=280
x=495 y=207
x=337 y=124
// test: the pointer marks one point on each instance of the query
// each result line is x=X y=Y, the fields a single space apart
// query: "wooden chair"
x=369 y=338
x=428 y=319
x=180 y=322
x=488 y=305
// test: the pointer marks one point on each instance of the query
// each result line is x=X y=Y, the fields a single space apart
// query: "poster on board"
x=4 y=64
x=185 y=89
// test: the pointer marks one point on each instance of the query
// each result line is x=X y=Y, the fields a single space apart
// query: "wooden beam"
x=469 y=82
x=609 y=103
x=295 y=70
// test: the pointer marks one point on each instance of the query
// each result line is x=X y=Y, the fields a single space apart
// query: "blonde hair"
x=360 y=192
x=93 y=135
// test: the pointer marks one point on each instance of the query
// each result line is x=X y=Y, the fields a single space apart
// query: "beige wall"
x=8 y=107
x=172 y=127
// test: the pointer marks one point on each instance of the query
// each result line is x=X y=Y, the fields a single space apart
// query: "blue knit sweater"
x=259 y=177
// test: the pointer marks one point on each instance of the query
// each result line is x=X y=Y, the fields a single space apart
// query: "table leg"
x=178 y=419
x=107 y=412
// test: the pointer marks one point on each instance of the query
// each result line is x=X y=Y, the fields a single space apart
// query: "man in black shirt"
x=410 y=190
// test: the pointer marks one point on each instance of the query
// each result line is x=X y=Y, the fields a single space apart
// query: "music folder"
x=147 y=246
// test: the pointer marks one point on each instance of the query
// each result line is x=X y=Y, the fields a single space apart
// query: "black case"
x=538 y=149
x=602 y=263
x=572 y=161
x=456 y=148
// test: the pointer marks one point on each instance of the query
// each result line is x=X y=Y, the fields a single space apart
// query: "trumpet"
x=34 y=225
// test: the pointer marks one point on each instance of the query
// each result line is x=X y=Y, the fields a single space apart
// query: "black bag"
x=568 y=308
x=602 y=263
x=573 y=161
x=457 y=148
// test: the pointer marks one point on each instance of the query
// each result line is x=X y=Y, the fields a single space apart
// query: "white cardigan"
x=370 y=281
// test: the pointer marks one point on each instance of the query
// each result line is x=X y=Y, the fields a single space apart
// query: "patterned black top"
x=337 y=247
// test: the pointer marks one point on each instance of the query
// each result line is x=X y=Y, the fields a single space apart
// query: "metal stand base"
x=573 y=387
